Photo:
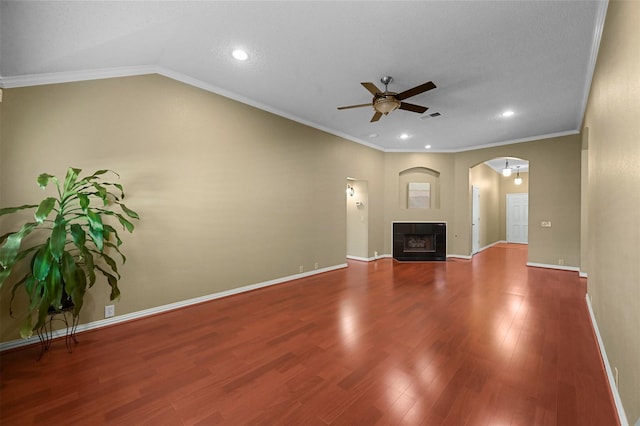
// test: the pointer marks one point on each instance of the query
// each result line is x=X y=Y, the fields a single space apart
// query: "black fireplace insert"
x=419 y=241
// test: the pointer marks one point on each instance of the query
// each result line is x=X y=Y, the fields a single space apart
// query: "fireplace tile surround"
x=419 y=241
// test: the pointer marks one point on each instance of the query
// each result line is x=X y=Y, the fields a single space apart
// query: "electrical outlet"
x=375 y=254
x=315 y=266
x=560 y=261
x=545 y=224
x=109 y=311
x=616 y=377
x=301 y=268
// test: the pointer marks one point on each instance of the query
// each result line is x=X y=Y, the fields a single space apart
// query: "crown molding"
x=73 y=76
x=601 y=14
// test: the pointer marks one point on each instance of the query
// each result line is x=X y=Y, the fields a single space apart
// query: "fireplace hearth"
x=419 y=241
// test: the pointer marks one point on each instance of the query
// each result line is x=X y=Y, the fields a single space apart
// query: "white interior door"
x=518 y=218
x=475 y=220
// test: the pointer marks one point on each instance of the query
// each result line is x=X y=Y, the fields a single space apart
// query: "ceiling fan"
x=385 y=102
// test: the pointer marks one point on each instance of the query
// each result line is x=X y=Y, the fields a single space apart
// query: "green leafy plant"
x=73 y=246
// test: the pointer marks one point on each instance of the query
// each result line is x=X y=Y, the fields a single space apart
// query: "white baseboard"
x=612 y=383
x=459 y=256
x=368 y=259
x=548 y=266
x=165 y=308
x=583 y=274
x=491 y=245
x=469 y=257
x=361 y=259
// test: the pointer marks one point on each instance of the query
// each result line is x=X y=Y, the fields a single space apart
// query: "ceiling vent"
x=432 y=115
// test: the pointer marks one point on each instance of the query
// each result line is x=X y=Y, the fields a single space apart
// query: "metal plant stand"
x=45 y=333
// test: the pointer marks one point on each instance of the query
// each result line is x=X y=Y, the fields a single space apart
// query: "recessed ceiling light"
x=427 y=146
x=404 y=136
x=508 y=113
x=240 y=55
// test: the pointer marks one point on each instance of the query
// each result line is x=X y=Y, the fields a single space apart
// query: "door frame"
x=475 y=219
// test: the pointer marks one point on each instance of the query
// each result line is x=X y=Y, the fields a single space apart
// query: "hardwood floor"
x=482 y=342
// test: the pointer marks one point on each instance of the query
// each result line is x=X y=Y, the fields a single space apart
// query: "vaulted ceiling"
x=306 y=58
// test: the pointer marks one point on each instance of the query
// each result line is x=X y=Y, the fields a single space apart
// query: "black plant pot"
x=66 y=304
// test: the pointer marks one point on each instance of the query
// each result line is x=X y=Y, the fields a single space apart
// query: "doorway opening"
x=357 y=204
x=494 y=184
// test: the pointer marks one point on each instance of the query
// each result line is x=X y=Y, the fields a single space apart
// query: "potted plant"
x=76 y=243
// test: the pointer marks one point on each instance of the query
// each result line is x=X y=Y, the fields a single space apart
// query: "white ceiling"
x=308 y=57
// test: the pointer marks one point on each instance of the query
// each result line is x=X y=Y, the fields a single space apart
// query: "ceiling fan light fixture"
x=386 y=104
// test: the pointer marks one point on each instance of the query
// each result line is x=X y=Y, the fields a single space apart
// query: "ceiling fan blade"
x=413 y=108
x=355 y=106
x=376 y=116
x=416 y=90
x=371 y=88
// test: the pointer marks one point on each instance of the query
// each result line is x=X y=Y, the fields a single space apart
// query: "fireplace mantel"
x=419 y=241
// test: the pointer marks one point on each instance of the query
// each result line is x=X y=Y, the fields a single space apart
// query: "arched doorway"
x=499 y=202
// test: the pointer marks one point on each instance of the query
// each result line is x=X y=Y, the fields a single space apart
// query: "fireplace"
x=419 y=241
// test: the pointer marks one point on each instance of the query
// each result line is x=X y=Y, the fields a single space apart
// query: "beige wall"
x=554 y=195
x=395 y=209
x=229 y=195
x=614 y=197
x=584 y=203
x=488 y=181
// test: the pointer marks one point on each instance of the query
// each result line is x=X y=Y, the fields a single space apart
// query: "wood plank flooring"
x=481 y=342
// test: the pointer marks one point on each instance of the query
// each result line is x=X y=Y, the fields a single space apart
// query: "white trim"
x=168 y=307
x=490 y=145
x=491 y=245
x=74 y=76
x=601 y=14
x=548 y=266
x=614 y=391
x=460 y=256
x=583 y=274
x=361 y=259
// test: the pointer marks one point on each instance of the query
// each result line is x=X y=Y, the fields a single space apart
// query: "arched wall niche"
x=419 y=175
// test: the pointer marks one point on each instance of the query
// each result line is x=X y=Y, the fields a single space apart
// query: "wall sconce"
x=518 y=179
x=506 y=172
x=350 y=190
